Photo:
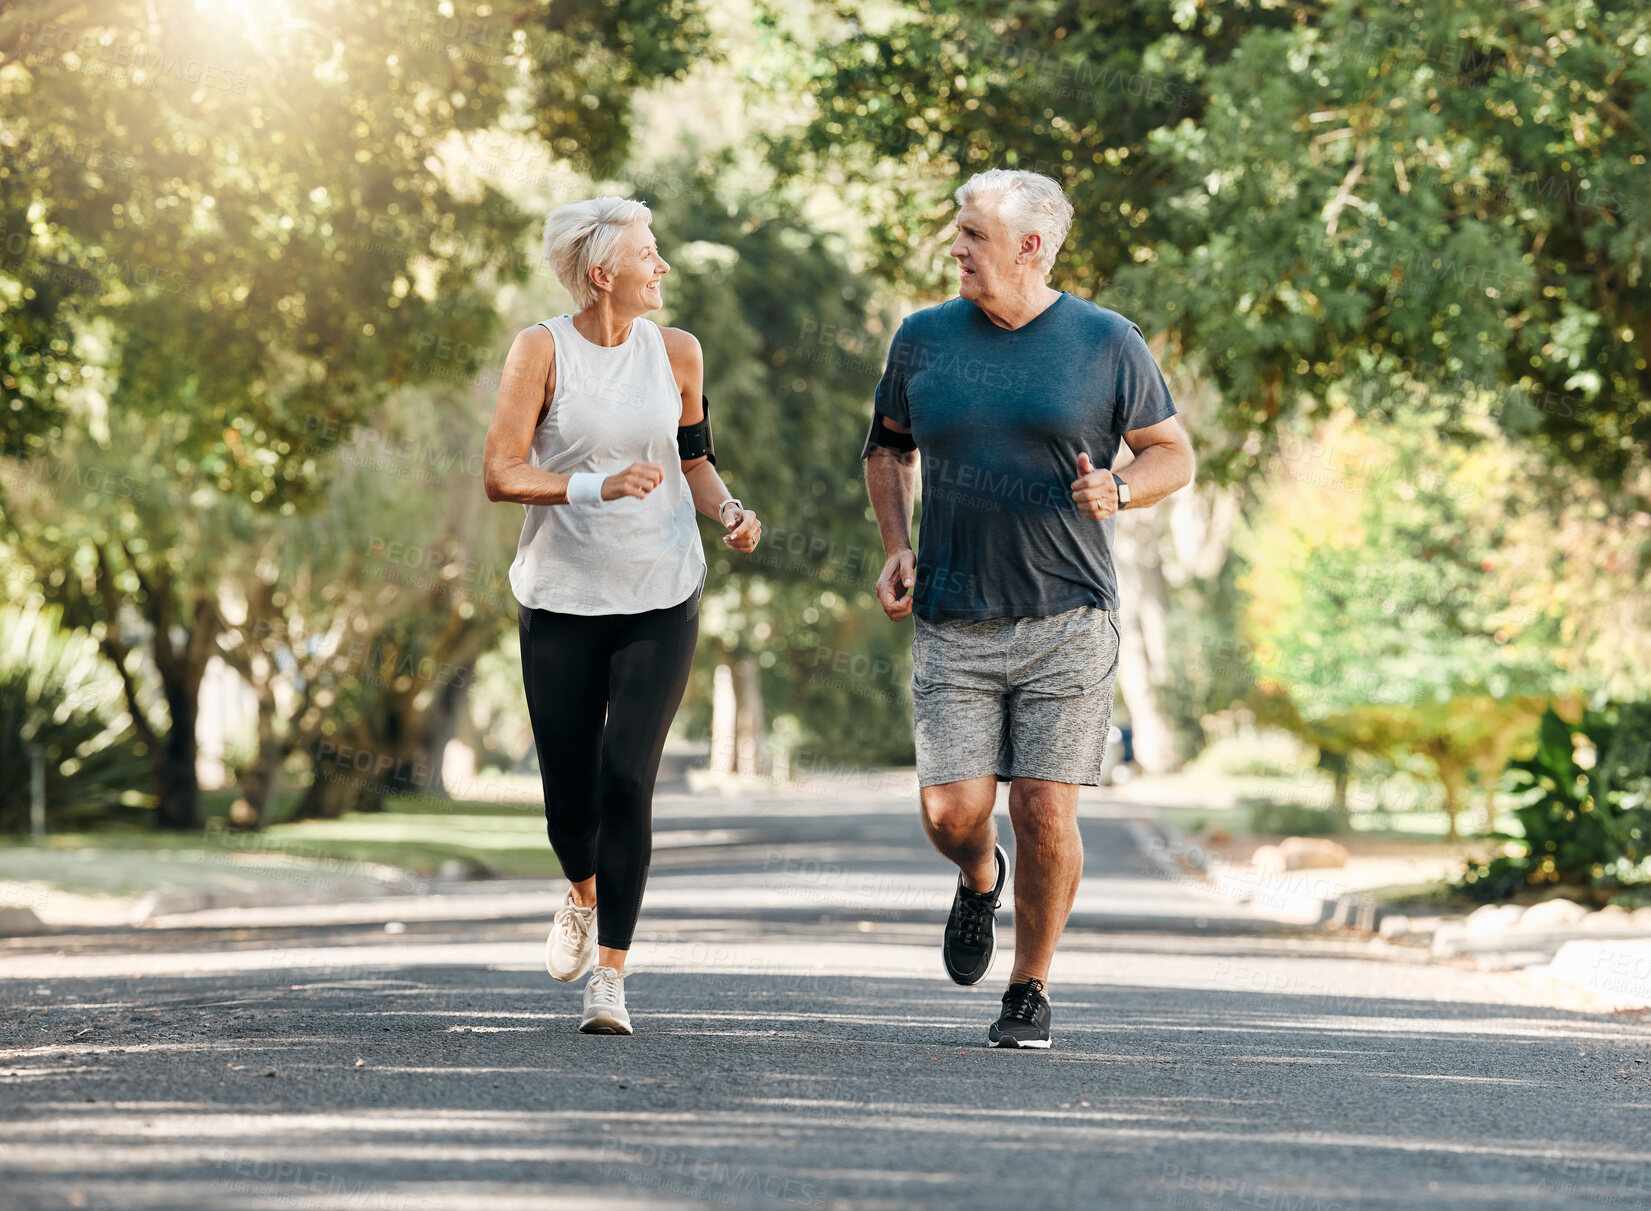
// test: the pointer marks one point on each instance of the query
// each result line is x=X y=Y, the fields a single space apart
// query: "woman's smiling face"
x=638 y=268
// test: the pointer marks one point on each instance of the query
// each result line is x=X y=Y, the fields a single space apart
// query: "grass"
x=1278 y=802
x=1441 y=899
x=1427 y=899
x=509 y=840
x=415 y=833
x=1241 y=820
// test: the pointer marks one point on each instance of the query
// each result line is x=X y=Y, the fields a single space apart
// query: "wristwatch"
x=723 y=507
x=1123 y=490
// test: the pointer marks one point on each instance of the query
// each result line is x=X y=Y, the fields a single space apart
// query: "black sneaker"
x=1025 y=1019
x=971 y=930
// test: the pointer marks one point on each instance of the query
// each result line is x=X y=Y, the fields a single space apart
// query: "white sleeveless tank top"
x=613 y=406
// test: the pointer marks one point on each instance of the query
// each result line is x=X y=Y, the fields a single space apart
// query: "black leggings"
x=602 y=690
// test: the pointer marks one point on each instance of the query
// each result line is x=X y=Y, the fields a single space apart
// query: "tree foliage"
x=1372 y=603
x=793 y=340
x=1586 y=815
x=358 y=625
x=1323 y=205
x=236 y=230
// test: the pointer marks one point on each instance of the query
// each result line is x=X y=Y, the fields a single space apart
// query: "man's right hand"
x=636 y=480
x=894 y=584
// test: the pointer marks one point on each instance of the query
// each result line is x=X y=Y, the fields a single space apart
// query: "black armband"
x=891 y=439
x=694 y=441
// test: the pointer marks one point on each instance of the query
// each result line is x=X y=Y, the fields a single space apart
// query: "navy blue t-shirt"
x=999 y=417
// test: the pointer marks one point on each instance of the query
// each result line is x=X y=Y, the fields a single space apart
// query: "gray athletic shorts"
x=1015 y=697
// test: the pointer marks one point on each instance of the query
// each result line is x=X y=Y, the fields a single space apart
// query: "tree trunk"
x=1339 y=768
x=440 y=725
x=1451 y=778
x=261 y=780
x=338 y=789
x=750 y=742
x=723 y=710
x=175 y=775
x=181 y=666
x=1143 y=627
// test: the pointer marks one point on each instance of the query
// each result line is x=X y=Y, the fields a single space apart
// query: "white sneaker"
x=605 y=1004
x=571 y=947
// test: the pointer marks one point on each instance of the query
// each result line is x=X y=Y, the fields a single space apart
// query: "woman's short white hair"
x=1027 y=202
x=584 y=234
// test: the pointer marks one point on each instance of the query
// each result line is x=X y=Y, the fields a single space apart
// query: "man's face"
x=989 y=259
x=637 y=272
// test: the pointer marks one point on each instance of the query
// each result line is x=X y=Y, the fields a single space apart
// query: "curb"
x=1173 y=852
x=176 y=901
x=21 y=923
x=1360 y=910
x=1618 y=969
x=260 y=879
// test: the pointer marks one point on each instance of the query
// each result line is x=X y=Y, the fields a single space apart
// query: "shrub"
x=1586 y=808
x=56 y=693
x=1272 y=818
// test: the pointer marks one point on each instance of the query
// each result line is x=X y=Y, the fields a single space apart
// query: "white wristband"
x=585 y=488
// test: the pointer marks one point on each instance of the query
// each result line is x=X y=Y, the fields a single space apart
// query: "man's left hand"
x=1094 y=492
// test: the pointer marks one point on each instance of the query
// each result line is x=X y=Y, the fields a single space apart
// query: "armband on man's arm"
x=889 y=438
x=694 y=441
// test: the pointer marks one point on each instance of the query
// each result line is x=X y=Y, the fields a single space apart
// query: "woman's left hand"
x=744 y=530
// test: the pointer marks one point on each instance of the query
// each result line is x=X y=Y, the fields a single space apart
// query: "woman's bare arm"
x=688 y=364
x=525 y=391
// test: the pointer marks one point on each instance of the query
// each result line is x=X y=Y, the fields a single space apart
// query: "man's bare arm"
x=1163 y=462
x=891 y=483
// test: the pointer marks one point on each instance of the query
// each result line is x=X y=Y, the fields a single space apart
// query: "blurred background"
x=262 y=262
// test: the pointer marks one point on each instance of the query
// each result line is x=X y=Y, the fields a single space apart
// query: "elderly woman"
x=601 y=434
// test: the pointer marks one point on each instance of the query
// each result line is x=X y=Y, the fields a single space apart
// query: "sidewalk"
x=1606 y=952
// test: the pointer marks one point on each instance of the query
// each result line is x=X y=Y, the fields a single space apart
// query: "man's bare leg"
x=1048 y=866
x=957 y=816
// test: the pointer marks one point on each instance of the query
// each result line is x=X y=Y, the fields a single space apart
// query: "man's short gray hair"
x=584 y=234
x=1027 y=202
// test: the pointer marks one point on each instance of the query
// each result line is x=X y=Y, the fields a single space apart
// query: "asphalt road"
x=797 y=1045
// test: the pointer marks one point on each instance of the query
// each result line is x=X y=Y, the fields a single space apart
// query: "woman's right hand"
x=636 y=480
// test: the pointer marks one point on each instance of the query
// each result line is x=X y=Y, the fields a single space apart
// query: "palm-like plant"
x=57 y=694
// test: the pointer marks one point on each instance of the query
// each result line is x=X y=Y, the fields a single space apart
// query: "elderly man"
x=1016 y=395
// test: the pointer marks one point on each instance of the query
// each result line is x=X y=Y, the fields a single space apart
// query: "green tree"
x=1372 y=604
x=793 y=343
x=1321 y=205
x=235 y=229
x=358 y=624
x=1571 y=550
